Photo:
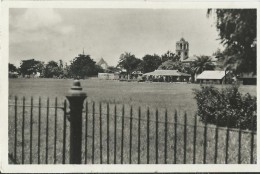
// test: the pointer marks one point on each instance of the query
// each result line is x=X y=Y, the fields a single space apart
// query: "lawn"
x=152 y=95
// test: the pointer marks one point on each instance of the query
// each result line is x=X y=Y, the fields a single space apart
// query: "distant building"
x=102 y=63
x=248 y=78
x=167 y=76
x=215 y=77
x=182 y=49
x=108 y=76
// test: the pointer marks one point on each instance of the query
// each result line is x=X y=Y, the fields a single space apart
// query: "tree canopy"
x=151 y=63
x=52 y=69
x=129 y=62
x=201 y=64
x=170 y=56
x=12 y=68
x=237 y=31
x=83 y=66
x=31 y=66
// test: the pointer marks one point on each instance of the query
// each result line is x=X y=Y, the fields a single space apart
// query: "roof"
x=247 y=75
x=167 y=73
x=218 y=75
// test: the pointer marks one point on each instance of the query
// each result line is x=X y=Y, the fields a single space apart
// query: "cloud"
x=35 y=19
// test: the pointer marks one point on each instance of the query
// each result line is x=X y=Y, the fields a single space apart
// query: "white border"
x=4 y=167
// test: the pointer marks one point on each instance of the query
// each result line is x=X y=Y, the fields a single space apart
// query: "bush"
x=226 y=107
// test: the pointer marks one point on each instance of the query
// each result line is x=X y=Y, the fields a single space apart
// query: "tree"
x=52 y=69
x=129 y=62
x=12 y=68
x=151 y=63
x=83 y=66
x=170 y=56
x=172 y=65
x=201 y=64
x=237 y=31
x=31 y=66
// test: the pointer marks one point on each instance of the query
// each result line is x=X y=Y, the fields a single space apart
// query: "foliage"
x=52 y=69
x=226 y=107
x=12 y=68
x=151 y=63
x=170 y=56
x=201 y=64
x=237 y=31
x=171 y=65
x=83 y=66
x=112 y=69
x=31 y=66
x=129 y=62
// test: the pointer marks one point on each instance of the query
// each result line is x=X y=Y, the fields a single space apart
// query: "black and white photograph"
x=132 y=86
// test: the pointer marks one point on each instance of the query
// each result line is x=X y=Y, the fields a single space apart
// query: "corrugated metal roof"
x=212 y=75
x=167 y=73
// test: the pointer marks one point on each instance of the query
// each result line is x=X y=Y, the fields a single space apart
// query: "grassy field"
x=152 y=95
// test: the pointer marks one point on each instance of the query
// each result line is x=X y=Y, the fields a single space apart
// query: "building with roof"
x=248 y=78
x=167 y=76
x=215 y=77
x=102 y=63
x=182 y=49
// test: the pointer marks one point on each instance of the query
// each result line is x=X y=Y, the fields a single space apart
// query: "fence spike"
x=93 y=133
x=175 y=136
x=156 y=138
x=64 y=132
x=47 y=133
x=216 y=140
x=139 y=134
x=100 y=132
x=23 y=130
x=115 y=132
x=55 y=131
x=108 y=139
x=131 y=126
x=86 y=133
x=252 y=141
x=194 y=138
x=185 y=137
x=122 y=134
x=165 y=136
x=148 y=134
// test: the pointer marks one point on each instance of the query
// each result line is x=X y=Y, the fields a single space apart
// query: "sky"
x=54 y=34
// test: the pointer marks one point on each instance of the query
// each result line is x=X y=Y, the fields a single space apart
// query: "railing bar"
x=185 y=138
x=93 y=133
x=31 y=129
x=39 y=133
x=115 y=132
x=227 y=139
x=37 y=106
x=15 y=129
x=239 y=142
x=100 y=131
x=86 y=133
x=139 y=135
x=252 y=141
x=64 y=133
x=55 y=131
x=122 y=137
x=216 y=140
x=47 y=133
x=108 y=138
x=148 y=134
x=205 y=141
x=175 y=137
x=23 y=131
x=131 y=125
x=156 y=138
x=165 y=137
x=194 y=138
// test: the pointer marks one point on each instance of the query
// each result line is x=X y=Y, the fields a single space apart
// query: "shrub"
x=226 y=107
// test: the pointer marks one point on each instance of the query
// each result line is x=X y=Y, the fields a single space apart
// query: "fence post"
x=76 y=98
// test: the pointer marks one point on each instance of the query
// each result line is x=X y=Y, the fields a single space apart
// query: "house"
x=108 y=76
x=167 y=76
x=215 y=77
x=248 y=78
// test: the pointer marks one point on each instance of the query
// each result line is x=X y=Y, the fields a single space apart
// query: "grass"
x=155 y=95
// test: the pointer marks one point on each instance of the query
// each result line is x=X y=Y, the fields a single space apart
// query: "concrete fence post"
x=76 y=99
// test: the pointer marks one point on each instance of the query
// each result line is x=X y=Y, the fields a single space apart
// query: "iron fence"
x=121 y=134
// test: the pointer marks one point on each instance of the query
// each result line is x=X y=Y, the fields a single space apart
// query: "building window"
x=186 y=53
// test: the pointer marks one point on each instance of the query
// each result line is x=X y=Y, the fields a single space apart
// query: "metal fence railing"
x=112 y=133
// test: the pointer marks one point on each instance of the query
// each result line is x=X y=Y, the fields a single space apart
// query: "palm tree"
x=201 y=64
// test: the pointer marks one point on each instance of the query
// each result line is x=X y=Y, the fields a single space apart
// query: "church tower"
x=182 y=49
